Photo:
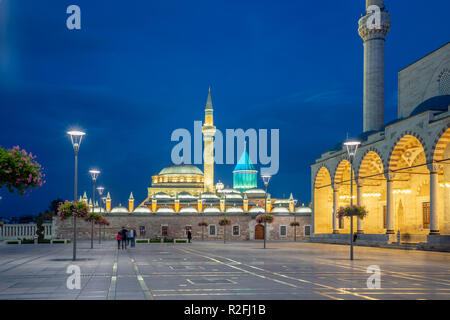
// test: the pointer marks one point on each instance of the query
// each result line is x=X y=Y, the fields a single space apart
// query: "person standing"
x=118 y=237
x=124 y=237
x=189 y=235
x=133 y=237
x=128 y=237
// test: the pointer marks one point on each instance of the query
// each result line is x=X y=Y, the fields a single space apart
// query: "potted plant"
x=203 y=224
x=352 y=211
x=264 y=218
x=224 y=223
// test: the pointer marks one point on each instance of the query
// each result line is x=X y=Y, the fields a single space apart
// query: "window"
x=164 y=231
x=307 y=231
x=384 y=217
x=426 y=214
x=283 y=231
x=142 y=230
x=212 y=230
x=236 y=230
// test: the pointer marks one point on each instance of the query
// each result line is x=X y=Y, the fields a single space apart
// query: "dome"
x=119 y=209
x=256 y=210
x=303 y=210
x=229 y=190
x=186 y=195
x=255 y=191
x=209 y=195
x=98 y=209
x=162 y=195
x=188 y=209
x=438 y=103
x=165 y=210
x=280 y=210
x=234 y=210
x=142 y=209
x=233 y=196
x=181 y=169
x=281 y=201
x=211 y=210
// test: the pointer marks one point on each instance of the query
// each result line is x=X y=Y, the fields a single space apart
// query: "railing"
x=25 y=231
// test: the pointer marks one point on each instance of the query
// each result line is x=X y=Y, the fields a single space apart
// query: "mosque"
x=180 y=196
x=401 y=169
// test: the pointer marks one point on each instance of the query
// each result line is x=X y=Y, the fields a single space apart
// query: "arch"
x=369 y=155
x=341 y=168
x=440 y=143
x=405 y=140
x=323 y=177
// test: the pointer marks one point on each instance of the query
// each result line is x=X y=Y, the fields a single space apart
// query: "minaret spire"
x=208 y=131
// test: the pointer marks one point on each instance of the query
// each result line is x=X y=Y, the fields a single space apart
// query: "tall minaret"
x=208 y=131
x=374 y=38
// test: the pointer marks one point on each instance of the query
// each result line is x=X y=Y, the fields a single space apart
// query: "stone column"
x=389 y=206
x=335 y=209
x=359 y=228
x=434 y=214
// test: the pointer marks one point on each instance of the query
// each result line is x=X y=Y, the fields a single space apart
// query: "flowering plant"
x=352 y=211
x=203 y=224
x=19 y=170
x=102 y=221
x=295 y=224
x=224 y=222
x=68 y=209
x=264 y=218
x=96 y=216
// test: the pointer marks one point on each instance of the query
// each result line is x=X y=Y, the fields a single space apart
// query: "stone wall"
x=177 y=224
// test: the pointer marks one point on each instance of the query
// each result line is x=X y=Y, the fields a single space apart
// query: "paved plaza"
x=213 y=270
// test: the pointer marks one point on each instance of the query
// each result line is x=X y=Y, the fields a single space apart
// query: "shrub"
x=43 y=241
x=168 y=240
x=155 y=240
x=142 y=241
x=180 y=241
x=12 y=242
x=58 y=241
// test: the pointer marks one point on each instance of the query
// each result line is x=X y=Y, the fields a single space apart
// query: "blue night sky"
x=137 y=70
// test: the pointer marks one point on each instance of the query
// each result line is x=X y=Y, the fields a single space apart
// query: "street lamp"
x=100 y=192
x=94 y=175
x=266 y=179
x=75 y=138
x=104 y=210
x=352 y=148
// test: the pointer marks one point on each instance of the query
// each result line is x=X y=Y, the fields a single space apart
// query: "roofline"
x=424 y=57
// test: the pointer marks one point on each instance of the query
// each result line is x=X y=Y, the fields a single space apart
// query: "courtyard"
x=213 y=270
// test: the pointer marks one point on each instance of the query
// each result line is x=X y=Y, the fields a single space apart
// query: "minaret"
x=131 y=202
x=108 y=202
x=374 y=38
x=208 y=131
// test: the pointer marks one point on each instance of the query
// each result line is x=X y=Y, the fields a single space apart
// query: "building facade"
x=402 y=168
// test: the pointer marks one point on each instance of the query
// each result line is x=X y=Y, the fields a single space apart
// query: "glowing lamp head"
x=352 y=147
x=266 y=179
x=100 y=190
x=94 y=174
x=76 y=137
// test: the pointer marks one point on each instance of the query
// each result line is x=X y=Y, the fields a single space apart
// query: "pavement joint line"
x=112 y=287
x=301 y=280
x=147 y=292
x=27 y=261
x=392 y=273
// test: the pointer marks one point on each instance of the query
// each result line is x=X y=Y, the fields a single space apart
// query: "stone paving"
x=213 y=270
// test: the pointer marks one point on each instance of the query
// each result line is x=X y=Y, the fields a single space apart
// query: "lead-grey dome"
x=181 y=169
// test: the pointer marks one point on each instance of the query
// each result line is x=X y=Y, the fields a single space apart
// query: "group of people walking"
x=125 y=237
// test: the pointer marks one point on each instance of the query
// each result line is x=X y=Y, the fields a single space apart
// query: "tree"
x=19 y=171
x=40 y=227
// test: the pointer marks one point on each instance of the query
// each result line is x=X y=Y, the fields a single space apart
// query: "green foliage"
x=268 y=218
x=168 y=240
x=142 y=241
x=19 y=171
x=40 y=227
x=180 y=241
x=68 y=209
x=224 y=222
x=155 y=240
x=352 y=211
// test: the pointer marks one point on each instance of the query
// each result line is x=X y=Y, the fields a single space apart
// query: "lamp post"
x=104 y=210
x=352 y=148
x=75 y=138
x=94 y=174
x=266 y=179
x=100 y=192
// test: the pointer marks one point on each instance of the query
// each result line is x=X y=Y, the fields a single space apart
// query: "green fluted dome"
x=245 y=175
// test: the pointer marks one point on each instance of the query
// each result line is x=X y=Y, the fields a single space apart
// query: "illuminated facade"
x=402 y=172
